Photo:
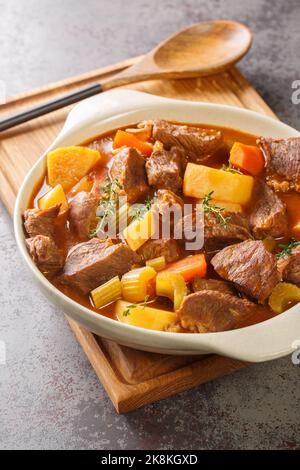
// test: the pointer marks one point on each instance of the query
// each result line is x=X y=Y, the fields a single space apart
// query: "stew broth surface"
x=65 y=238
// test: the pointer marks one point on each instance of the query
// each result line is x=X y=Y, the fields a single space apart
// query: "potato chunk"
x=227 y=206
x=199 y=180
x=55 y=196
x=143 y=316
x=67 y=165
x=140 y=230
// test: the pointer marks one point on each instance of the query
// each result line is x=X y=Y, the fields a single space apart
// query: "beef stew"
x=115 y=221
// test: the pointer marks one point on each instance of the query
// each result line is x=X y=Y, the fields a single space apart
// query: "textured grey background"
x=49 y=394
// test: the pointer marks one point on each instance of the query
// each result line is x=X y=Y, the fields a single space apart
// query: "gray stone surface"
x=50 y=396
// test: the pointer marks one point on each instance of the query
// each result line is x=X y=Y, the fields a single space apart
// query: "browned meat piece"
x=40 y=222
x=289 y=267
x=90 y=264
x=251 y=268
x=282 y=162
x=170 y=208
x=197 y=143
x=82 y=213
x=129 y=169
x=216 y=236
x=269 y=216
x=165 y=168
x=154 y=248
x=166 y=199
x=45 y=254
x=211 y=311
x=200 y=283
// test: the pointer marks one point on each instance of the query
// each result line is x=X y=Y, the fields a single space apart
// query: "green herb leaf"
x=230 y=169
x=139 y=210
x=214 y=209
x=286 y=250
x=148 y=202
x=129 y=308
x=108 y=204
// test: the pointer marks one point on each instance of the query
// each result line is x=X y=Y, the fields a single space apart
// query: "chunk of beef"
x=153 y=248
x=90 y=264
x=197 y=143
x=211 y=311
x=129 y=169
x=216 y=235
x=170 y=208
x=282 y=162
x=269 y=216
x=41 y=222
x=289 y=267
x=82 y=213
x=166 y=200
x=200 y=283
x=165 y=168
x=251 y=268
x=45 y=254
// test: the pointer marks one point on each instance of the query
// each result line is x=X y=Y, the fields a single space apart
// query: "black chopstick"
x=53 y=105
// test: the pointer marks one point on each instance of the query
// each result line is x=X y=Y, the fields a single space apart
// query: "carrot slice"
x=188 y=267
x=247 y=158
x=143 y=133
x=127 y=139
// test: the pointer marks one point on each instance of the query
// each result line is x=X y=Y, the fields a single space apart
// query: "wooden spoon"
x=202 y=49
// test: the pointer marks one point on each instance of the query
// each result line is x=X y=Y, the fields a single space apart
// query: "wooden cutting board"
x=131 y=378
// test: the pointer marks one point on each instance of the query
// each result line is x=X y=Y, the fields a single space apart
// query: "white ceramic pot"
x=265 y=341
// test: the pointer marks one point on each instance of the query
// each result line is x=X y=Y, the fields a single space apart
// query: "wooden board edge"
x=178 y=381
x=116 y=390
x=127 y=397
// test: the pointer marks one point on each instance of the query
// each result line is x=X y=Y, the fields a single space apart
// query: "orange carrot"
x=247 y=158
x=144 y=133
x=188 y=267
x=129 y=140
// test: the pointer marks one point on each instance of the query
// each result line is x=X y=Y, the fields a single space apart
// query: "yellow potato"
x=228 y=206
x=139 y=231
x=199 y=180
x=143 y=316
x=56 y=195
x=66 y=166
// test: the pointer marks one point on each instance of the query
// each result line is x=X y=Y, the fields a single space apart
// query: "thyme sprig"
x=230 y=169
x=139 y=210
x=143 y=304
x=108 y=203
x=286 y=250
x=214 y=209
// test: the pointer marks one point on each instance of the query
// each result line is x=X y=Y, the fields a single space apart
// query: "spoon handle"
x=50 y=106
